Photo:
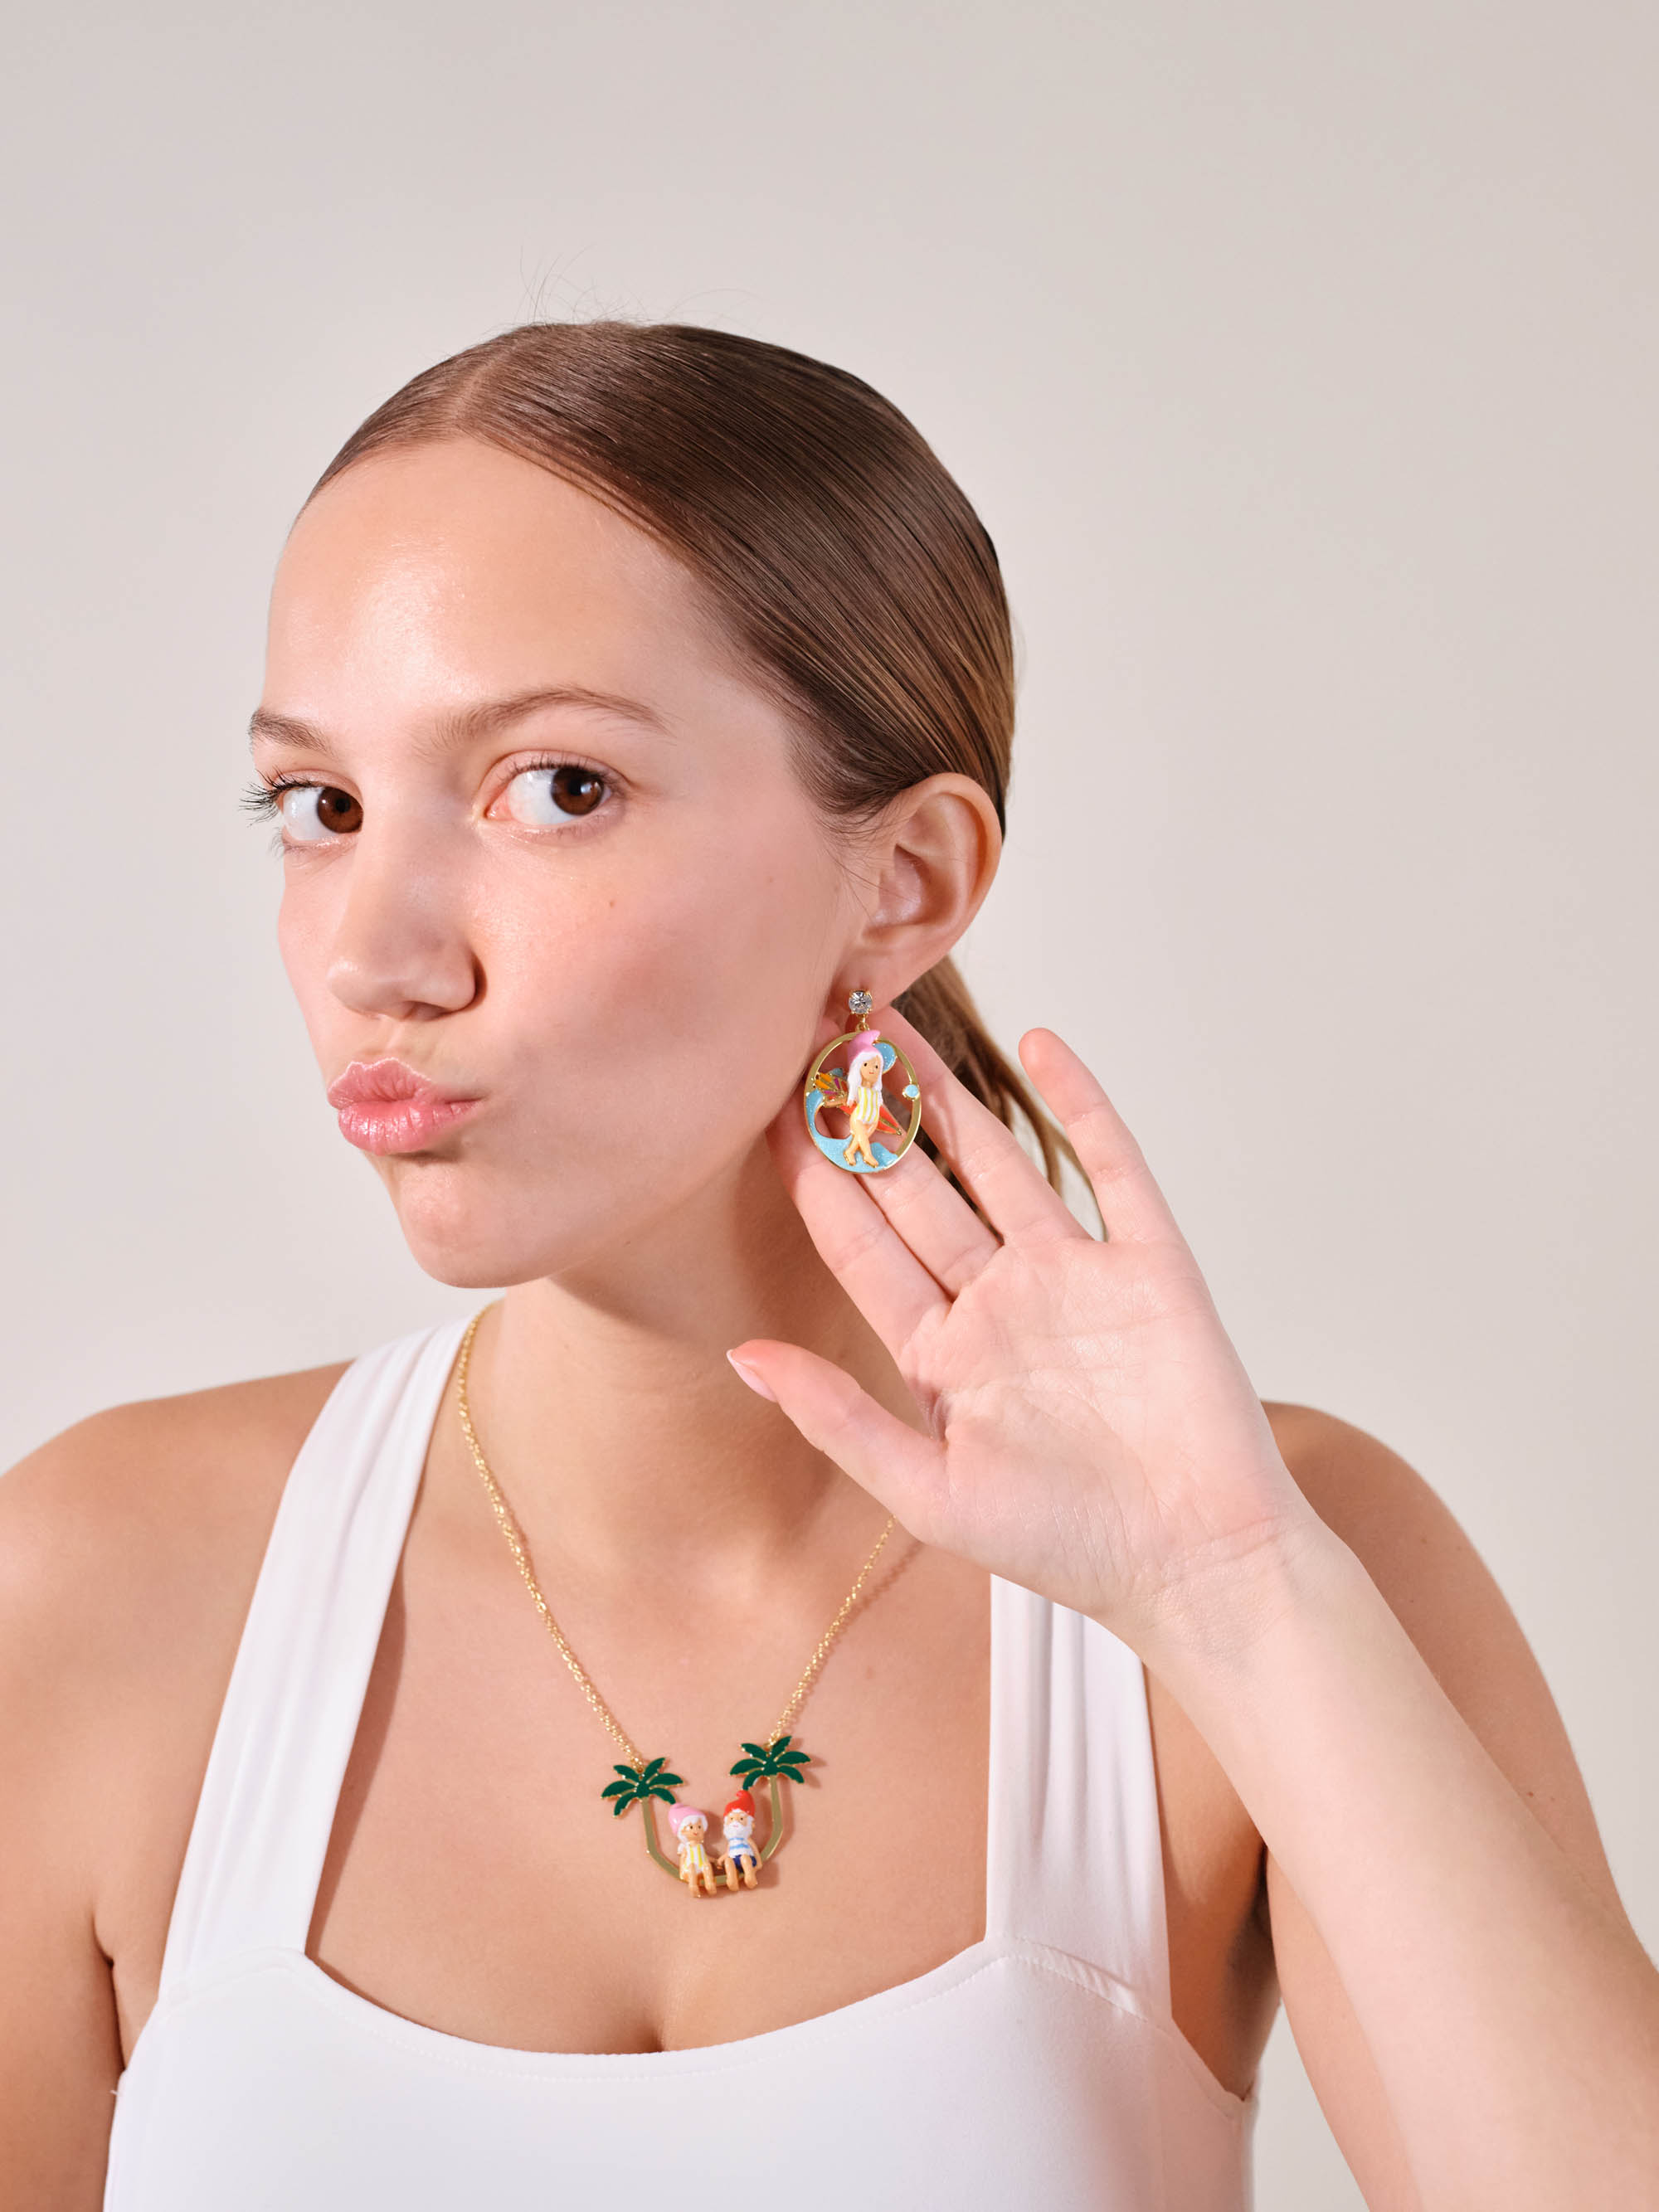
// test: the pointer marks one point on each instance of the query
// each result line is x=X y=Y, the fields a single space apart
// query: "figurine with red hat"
x=740 y=1857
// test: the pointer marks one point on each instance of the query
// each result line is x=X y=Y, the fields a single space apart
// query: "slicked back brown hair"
x=843 y=558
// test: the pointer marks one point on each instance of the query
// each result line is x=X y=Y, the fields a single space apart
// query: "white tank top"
x=1039 y=2067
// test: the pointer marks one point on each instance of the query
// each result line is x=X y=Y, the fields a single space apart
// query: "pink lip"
x=385 y=1107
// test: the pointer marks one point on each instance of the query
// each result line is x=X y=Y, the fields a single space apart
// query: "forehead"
x=435 y=573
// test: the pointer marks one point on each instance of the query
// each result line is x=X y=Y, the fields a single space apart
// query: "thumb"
x=884 y=1455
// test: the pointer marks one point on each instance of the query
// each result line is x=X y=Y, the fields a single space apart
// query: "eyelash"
x=263 y=801
x=263 y=798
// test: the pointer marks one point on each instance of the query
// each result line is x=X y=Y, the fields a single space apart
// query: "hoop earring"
x=854 y=1090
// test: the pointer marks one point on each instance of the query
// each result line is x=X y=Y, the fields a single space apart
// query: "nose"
x=401 y=950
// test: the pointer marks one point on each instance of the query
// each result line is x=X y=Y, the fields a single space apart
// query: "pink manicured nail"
x=747 y=1374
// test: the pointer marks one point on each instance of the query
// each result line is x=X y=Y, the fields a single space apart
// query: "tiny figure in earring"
x=690 y=1827
x=740 y=1858
x=857 y=1091
x=862 y=1100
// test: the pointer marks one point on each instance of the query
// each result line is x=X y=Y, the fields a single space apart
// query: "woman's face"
x=544 y=848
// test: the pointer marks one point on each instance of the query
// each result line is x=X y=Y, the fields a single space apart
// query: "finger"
x=932 y=1221
x=1134 y=1208
x=952 y=1242
x=884 y=1455
x=1015 y=1197
x=886 y=1280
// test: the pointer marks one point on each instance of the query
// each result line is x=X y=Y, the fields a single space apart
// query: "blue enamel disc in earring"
x=850 y=1081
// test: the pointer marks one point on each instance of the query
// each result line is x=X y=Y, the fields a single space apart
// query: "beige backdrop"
x=1302 y=361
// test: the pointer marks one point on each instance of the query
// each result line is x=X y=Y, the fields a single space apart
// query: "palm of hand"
x=1091 y=1432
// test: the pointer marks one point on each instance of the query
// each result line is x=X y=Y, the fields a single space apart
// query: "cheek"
x=302 y=939
x=670 y=1008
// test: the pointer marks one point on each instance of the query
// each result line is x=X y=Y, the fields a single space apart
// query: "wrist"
x=1216 y=1619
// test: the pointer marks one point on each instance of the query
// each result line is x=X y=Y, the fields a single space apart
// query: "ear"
x=927 y=864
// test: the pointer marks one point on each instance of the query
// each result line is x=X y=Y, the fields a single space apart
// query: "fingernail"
x=747 y=1374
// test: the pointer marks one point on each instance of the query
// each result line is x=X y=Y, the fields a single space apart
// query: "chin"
x=476 y=1231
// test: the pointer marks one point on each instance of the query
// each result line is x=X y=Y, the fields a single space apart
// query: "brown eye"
x=313 y=813
x=539 y=796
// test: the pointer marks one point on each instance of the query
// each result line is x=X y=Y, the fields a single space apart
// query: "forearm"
x=1511 y=2015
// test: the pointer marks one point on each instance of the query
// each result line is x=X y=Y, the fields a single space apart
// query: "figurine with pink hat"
x=856 y=1091
x=866 y=1108
x=690 y=1826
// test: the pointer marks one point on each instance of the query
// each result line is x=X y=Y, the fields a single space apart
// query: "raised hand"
x=1090 y=1430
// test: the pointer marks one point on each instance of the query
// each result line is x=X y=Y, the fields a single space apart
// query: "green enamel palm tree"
x=638 y=1784
x=771 y=1763
x=765 y=1762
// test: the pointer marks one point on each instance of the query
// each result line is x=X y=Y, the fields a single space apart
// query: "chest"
x=476 y=1879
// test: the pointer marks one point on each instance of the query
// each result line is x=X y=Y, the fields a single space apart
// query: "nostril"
x=408 y=983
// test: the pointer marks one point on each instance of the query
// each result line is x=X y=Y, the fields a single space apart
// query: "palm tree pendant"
x=647 y=1782
x=741 y=1861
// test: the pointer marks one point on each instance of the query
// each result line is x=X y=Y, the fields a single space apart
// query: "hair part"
x=842 y=558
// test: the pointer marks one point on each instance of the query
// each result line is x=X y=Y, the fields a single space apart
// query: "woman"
x=638 y=701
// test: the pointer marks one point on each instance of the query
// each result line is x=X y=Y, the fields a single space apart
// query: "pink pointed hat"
x=679 y=1814
x=865 y=1040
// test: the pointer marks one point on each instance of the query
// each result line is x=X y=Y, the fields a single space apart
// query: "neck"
x=609 y=1413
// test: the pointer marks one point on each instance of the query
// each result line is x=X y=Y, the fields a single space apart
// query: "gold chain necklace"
x=775 y=1757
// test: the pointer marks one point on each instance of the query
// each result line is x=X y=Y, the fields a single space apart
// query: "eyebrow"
x=467 y=724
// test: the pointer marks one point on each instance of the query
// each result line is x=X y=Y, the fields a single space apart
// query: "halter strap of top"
x=290 y=1714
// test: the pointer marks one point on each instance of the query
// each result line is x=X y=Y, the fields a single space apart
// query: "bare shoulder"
x=128 y=1548
x=137 y=1506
